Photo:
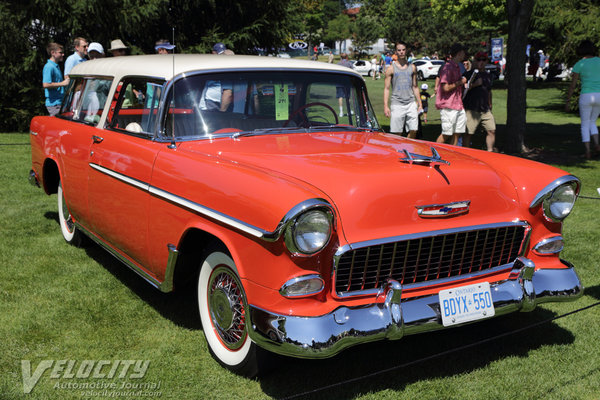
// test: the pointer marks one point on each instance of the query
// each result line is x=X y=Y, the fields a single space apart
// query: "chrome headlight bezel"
x=295 y=221
x=298 y=233
x=550 y=196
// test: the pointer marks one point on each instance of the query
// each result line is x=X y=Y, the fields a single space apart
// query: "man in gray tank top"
x=402 y=77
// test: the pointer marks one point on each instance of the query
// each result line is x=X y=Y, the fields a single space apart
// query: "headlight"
x=310 y=232
x=558 y=198
x=559 y=205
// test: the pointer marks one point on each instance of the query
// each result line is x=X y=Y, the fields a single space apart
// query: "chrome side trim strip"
x=167 y=285
x=146 y=276
x=218 y=216
x=121 y=177
x=257 y=232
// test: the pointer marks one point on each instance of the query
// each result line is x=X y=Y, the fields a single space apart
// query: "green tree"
x=338 y=29
x=486 y=13
x=27 y=26
x=560 y=25
x=366 y=29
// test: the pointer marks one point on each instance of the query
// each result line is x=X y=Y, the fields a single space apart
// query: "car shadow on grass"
x=177 y=306
x=370 y=367
x=377 y=366
x=593 y=291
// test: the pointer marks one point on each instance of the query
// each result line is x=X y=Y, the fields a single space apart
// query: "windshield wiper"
x=267 y=131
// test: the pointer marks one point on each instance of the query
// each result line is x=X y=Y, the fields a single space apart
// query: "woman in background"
x=588 y=71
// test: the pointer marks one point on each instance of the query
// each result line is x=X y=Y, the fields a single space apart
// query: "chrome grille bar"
x=428 y=257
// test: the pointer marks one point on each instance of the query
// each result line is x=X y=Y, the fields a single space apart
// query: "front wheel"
x=224 y=314
x=70 y=233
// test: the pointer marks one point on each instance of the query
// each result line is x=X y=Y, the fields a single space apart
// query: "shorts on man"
x=453 y=121
x=404 y=116
x=474 y=118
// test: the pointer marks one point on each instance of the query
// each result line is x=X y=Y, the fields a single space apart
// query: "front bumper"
x=326 y=335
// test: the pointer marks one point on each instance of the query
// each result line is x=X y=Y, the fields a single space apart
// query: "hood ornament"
x=443 y=210
x=433 y=160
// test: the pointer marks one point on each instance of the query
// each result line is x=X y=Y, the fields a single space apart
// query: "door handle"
x=97 y=139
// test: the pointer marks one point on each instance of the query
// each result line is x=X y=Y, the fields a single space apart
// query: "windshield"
x=266 y=101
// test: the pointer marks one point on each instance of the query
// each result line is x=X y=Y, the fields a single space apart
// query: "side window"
x=70 y=104
x=137 y=101
x=85 y=99
x=93 y=99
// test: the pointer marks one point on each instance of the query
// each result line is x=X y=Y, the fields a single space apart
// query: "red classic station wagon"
x=269 y=184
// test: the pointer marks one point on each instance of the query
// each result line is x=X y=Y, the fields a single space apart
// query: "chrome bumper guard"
x=326 y=335
x=33 y=178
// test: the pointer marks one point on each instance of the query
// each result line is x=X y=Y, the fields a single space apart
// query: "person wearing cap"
x=163 y=46
x=219 y=48
x=478 y=102
x=79 y=55
x=95 y=50
x=449 y=97
x=118 y=48
x=406 y=105
x=425 y=96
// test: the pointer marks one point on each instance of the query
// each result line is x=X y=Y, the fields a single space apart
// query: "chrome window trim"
x=547 y=191
x=545 y=242
x=160 y=137
x=218 y=216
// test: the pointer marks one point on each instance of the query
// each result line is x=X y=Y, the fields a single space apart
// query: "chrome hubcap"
x=226 y=303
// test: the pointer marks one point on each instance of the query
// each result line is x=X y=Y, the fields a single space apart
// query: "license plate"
x=466 y=303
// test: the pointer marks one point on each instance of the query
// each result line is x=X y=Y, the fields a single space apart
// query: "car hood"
x=375 y=192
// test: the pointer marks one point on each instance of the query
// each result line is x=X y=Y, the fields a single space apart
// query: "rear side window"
x=136 y=103
x=85 y=99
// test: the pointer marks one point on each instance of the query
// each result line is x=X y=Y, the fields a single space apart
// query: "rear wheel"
x=420 y=76
x=70 y=233
x=224 y=314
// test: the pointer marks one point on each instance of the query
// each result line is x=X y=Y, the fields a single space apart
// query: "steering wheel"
x=305 y=106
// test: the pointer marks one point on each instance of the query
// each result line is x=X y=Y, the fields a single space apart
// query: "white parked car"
x=427 y=68
x=363 y=67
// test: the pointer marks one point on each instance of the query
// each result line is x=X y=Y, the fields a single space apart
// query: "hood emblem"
x=433 y=160
x=443 y=210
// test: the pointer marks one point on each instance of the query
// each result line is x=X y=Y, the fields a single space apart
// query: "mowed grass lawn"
x=59 y=302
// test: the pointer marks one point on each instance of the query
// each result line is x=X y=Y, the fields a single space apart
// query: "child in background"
x=425 y=100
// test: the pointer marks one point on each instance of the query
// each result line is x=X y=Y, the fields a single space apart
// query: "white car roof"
x=167 y=66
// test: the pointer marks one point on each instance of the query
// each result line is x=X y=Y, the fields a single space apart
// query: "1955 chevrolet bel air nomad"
x=269 y=184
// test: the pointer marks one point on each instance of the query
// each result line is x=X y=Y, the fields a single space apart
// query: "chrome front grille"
x=428 y=258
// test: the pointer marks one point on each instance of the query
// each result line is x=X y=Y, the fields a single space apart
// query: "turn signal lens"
x=302 y=286
x=549 y=246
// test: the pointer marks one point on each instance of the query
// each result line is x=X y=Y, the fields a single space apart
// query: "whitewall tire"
x=70 y=233
x=224 y=313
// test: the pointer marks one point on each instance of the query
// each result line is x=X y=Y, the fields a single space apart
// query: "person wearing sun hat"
x=118 y=48
x=163 y=46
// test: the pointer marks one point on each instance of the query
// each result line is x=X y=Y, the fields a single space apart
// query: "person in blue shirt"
x=52 y=79
x=81 y=49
